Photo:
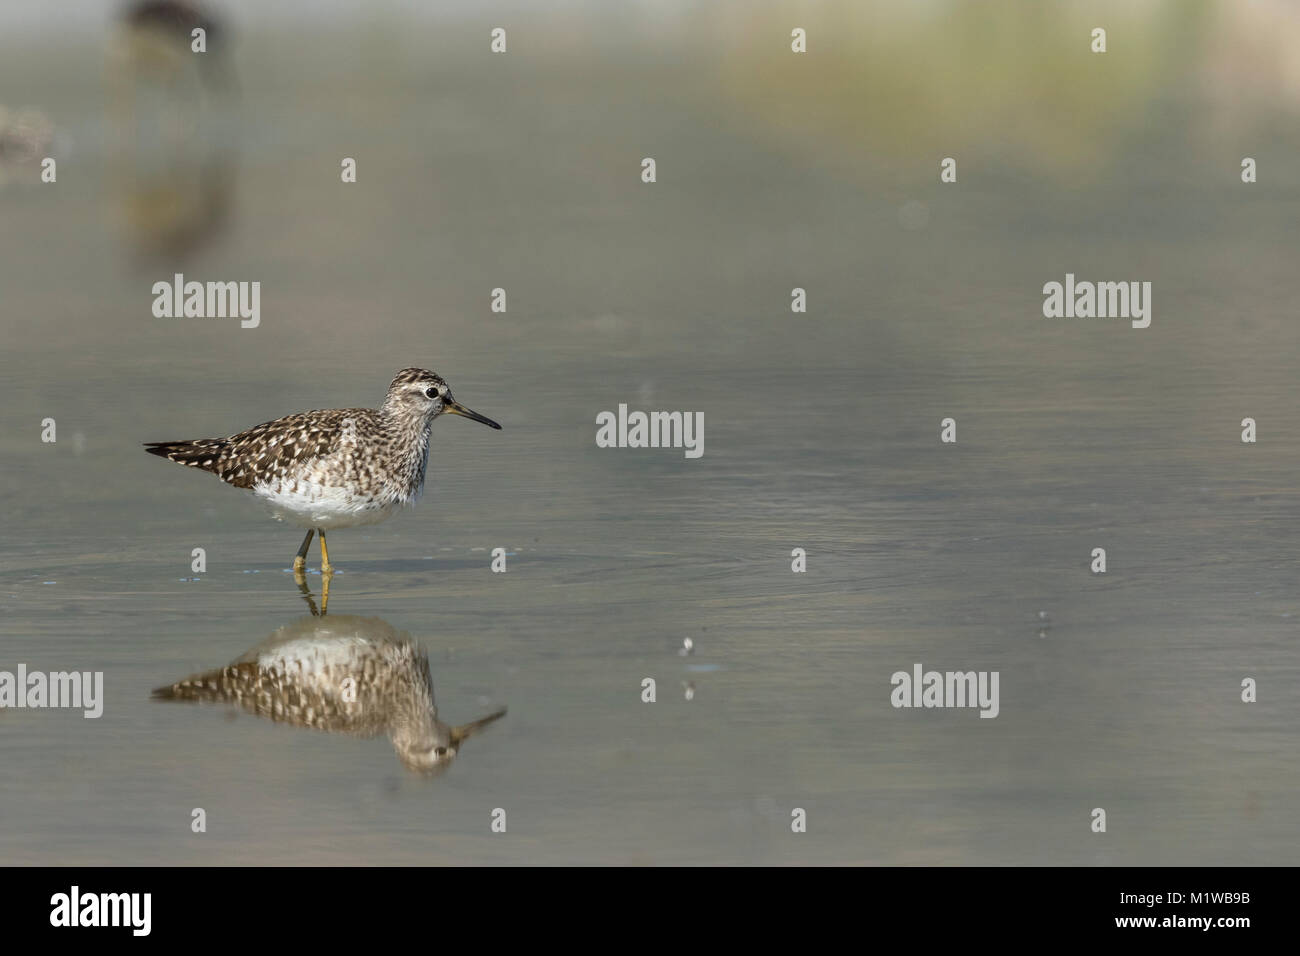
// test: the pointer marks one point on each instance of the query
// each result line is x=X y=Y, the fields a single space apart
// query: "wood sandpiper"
x=351 y=675
x=335 y=468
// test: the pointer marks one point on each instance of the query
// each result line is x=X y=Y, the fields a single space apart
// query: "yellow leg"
x=301 y=580
x=300 y=561
x=325 y=567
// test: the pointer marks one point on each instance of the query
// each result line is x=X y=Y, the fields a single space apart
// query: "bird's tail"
x=200 y=453
x=225 y=683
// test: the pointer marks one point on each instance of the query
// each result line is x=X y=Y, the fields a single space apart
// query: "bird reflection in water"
x=342 y=674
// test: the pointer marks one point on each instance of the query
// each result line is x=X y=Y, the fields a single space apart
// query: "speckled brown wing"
x=271 y=693
x=267 y=451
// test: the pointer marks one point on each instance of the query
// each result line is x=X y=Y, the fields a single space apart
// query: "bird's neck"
x=412 y=717
x=409 y=438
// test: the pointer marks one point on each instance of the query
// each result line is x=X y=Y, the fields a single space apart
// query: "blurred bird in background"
x=172 y=126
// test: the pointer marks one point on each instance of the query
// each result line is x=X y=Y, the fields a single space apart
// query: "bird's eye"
x=440 y=751
x=432 y=393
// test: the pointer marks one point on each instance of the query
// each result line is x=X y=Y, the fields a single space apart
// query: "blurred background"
x=775 y=170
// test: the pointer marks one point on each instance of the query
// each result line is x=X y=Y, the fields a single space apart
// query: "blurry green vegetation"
x=1016 y=80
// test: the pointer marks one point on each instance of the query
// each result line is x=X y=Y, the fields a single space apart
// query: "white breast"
x=312 y=505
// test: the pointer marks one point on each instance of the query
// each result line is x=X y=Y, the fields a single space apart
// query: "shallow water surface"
x=1118 y=690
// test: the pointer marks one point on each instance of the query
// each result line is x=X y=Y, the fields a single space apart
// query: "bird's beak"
x=456 y=408
x=465 y=730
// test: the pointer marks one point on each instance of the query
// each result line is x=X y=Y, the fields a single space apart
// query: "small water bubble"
x=689 y=693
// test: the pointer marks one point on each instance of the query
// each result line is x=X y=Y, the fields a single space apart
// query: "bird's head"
x=425 y=393
x=431 y=750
